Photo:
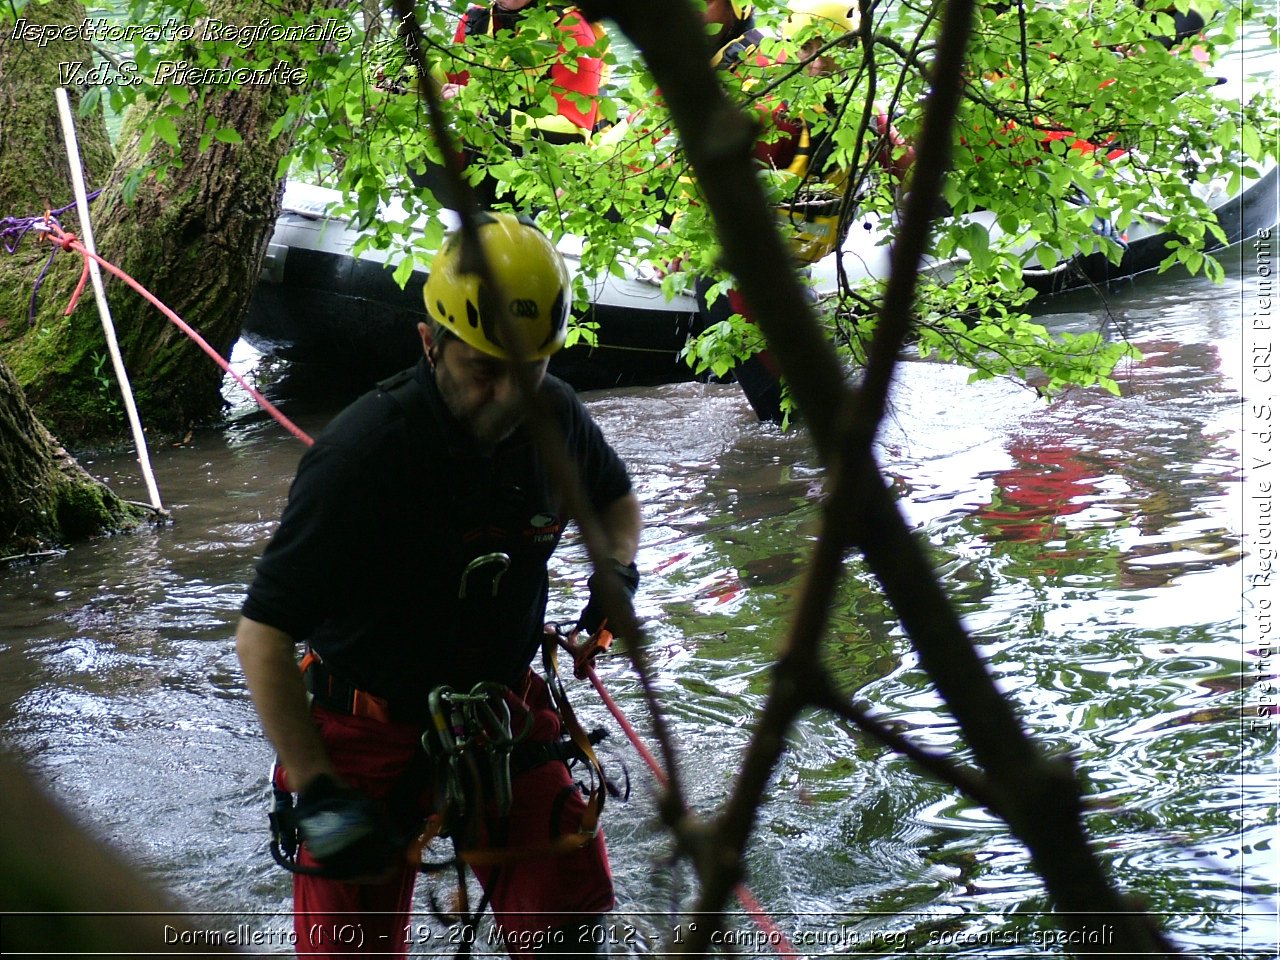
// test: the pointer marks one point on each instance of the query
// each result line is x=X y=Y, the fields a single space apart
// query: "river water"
x=1093 y=546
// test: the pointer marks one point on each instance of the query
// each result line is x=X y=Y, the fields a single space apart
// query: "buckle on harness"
x=283 y=822
x=334 y=693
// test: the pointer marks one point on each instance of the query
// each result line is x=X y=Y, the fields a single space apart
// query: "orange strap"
x=595 y=800
x=359 y=703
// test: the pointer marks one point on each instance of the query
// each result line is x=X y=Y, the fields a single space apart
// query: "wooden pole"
x=100 y=294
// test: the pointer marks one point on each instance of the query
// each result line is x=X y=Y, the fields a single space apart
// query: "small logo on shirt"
x=544 y=527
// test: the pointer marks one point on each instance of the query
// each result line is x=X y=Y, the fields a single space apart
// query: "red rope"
x=753 y=907
x=68 y=241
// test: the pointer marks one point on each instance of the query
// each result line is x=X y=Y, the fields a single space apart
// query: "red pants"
x=529 y=896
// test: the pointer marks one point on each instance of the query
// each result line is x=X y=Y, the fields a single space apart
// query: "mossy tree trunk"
x=195 y=238
x=46 y=499
x=34 y=170
x=33 y=164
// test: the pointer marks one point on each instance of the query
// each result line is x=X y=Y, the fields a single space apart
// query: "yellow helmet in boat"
x=530 y=277
x=828 y=17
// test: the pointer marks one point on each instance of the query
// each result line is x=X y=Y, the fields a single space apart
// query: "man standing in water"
x=411 y=560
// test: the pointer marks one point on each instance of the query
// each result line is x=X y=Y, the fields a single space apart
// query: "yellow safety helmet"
x=529 y=273
x=742 y=9
x=829 y=16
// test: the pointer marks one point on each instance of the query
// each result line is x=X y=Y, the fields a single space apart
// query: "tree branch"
x=1039 y=796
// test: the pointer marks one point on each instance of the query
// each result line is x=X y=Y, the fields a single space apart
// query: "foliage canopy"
x=1041 y=76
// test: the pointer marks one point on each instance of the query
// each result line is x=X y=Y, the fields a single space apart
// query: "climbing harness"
x=470 y=754
x=475 y=754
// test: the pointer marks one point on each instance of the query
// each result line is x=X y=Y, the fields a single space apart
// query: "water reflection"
x=1090 y=546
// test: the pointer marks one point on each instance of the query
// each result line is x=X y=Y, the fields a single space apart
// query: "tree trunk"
x=46 y=498
x=195 y=238
x=35 y=175
x=33 y=164
x=67 y=893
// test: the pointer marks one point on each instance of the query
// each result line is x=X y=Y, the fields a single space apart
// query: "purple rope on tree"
x=12 y=231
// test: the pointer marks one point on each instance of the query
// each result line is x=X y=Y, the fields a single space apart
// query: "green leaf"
x=166 y=131
x=403 y=271
x=1225 y=133
x=132 y=181
x=89 y=102
x=1251 y=142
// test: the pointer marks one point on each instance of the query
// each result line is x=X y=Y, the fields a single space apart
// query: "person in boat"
x=791 y=147
x=733 y=45
x=411 y=561
x=735 y=41
x=804 y=156
x=574 y=80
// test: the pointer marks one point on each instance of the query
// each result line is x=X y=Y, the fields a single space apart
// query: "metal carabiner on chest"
x=488 y=566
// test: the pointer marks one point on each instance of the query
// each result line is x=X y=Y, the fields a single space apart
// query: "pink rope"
x=749 y=903
x=68 y=241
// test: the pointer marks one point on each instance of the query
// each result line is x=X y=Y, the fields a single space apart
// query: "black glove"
x=345 y=831
x=593 y=614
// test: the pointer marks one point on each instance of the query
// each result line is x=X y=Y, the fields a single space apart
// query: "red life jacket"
x=576 y=89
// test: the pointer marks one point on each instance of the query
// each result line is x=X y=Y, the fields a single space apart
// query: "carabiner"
x=447 y=730
x=503 y=562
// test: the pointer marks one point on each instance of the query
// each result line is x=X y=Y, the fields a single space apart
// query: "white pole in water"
x=100 y=294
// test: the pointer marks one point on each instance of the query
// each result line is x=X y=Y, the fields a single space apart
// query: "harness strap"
x=491 y=857
x=527 y=756
x=334 y=693
x=590 y=824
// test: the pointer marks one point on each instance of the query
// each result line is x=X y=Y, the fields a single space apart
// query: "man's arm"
x=615 y=582
x=280 y=697
x=621 y=523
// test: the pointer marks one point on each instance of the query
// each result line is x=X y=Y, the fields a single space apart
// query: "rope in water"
x=772 y=931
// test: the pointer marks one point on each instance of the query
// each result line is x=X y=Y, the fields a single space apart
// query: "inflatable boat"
x=320 y=302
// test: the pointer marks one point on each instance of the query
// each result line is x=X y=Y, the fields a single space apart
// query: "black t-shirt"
x=407 y=558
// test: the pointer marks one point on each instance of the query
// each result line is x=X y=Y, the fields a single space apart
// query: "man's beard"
x=491 y=423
